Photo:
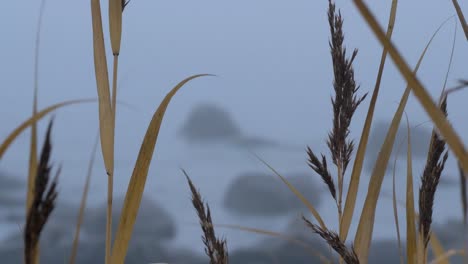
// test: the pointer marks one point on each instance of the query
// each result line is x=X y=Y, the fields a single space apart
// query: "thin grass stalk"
x=296 y=192
x=33 y=144
x=84 y=197
x=310 y=249
x=449 y=67
x=395 y=208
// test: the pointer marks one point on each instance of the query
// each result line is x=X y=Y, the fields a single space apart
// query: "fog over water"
x=271 y=95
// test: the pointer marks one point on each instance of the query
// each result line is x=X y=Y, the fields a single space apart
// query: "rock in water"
x=258 y=194
x=209 y=123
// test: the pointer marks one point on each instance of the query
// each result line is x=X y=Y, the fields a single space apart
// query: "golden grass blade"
x=115 y=25
x=28 y=122
x=361 y=151
x=439 y=119
x=395 y=209
x=138 y=179
x=461 y=17
x=84 y=197
x=296 y=192
x=106 y=114
x=366 y=222
x=411 y=242
x=102 y=82
x=447 y=255
x=285 y=237
x=438 y=250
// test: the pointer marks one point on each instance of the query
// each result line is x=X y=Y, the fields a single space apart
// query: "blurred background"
x=271 y=96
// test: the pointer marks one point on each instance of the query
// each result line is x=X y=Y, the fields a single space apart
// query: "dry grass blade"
x=43 y=202
x=438 y=250
x=441 y=122
x=140 y=172
x=333 y=239
x=215 y=249
x=33 y=144
x=411 y=240
x=461 y=17
x=296 y=192
x=102 y=82
x=284 y=237
x=106 y=113
x=395 y=208
x=361 y=150
x=84 y=197
x=447 y=255
x=366 y=222
x=115 y=24
x=30 y=121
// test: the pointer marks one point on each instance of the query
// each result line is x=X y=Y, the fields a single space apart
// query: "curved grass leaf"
x=361 y=151
x=285 y=237
x=440 y=121
x=138 y=179
x=366 y=222
x=297 y=193
x=30 y=121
